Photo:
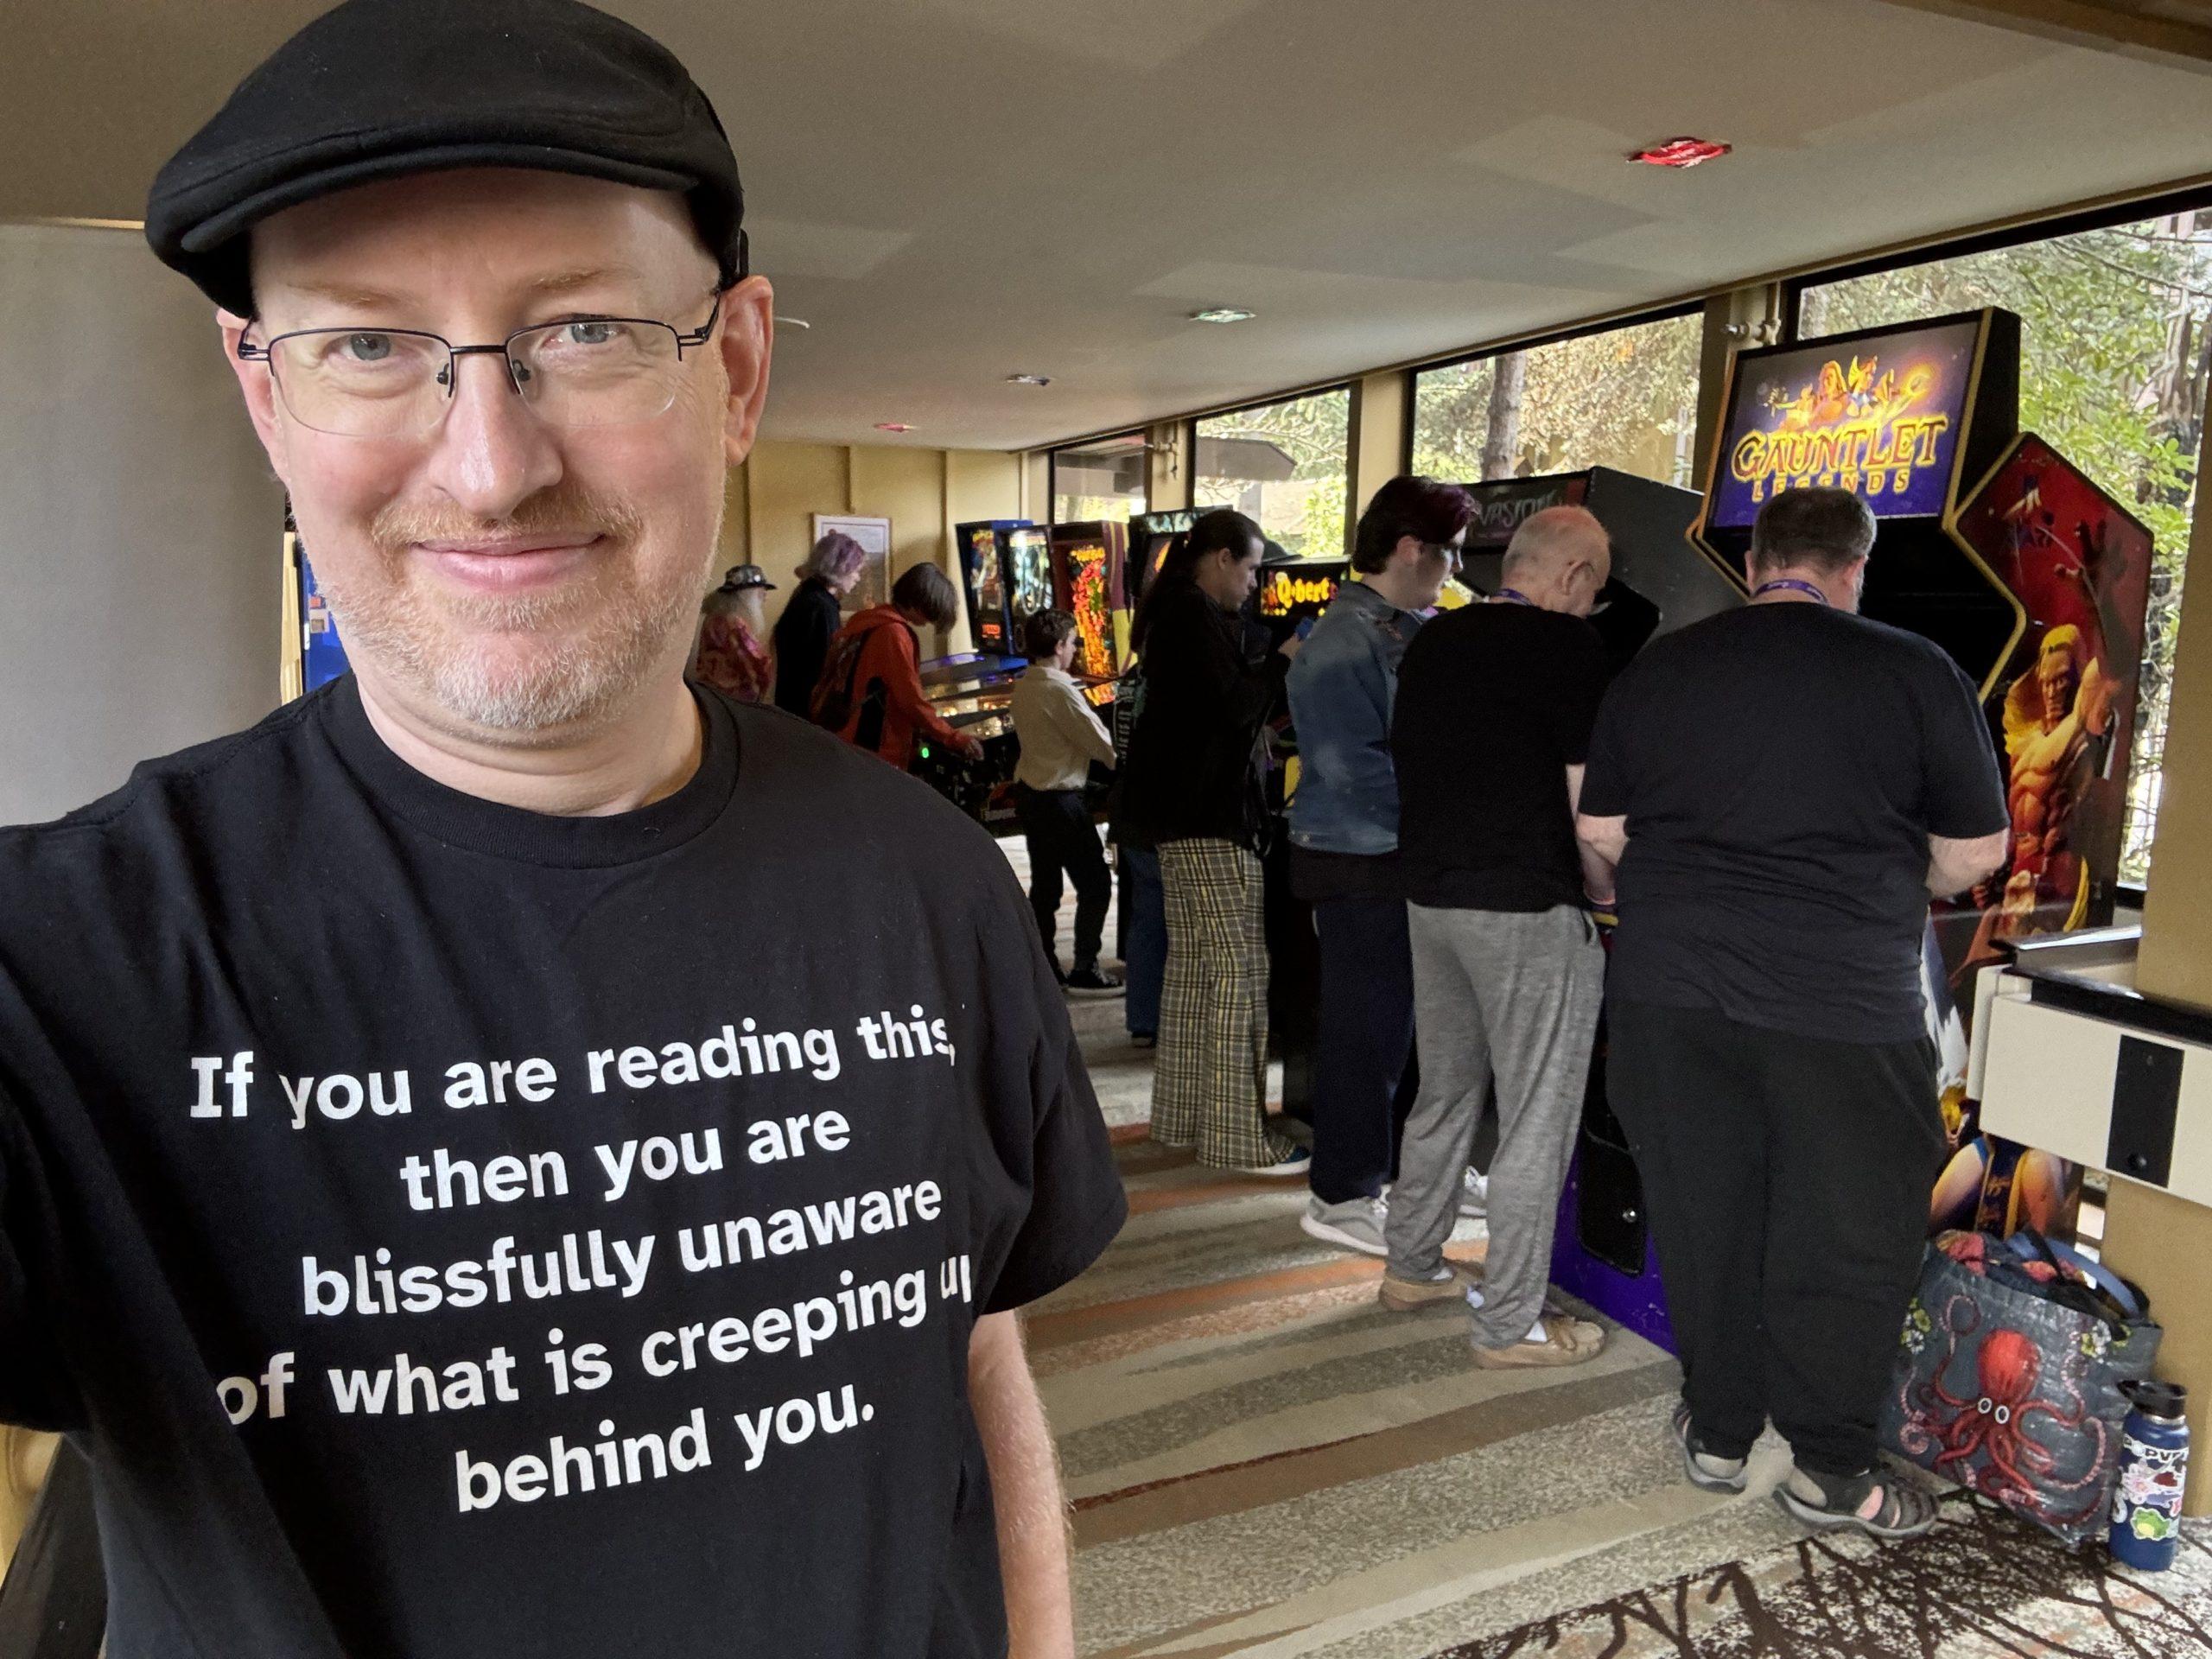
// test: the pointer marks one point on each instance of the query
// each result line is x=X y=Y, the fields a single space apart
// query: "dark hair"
x=1812 y=529
x=1042 y=634
x=926 y=591
x=1423 y=508
x=1223 y=529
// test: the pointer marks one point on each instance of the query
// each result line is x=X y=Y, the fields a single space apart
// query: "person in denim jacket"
x=1343 y=834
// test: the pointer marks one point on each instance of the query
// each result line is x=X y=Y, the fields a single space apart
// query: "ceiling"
x=953 y=191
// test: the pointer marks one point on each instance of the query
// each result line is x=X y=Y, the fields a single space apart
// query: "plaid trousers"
x=1209 y=1071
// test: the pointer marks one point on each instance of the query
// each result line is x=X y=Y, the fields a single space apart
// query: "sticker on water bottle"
x=2150 y=1486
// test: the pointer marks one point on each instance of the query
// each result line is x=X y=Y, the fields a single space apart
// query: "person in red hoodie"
x=870 y=693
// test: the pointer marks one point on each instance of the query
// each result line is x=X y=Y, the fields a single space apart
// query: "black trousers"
x=1364 y=1079
x=1062 y=837
x=1786 y=1180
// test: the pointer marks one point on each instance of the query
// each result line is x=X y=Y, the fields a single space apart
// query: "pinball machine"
x=988 y=560
x=1088 y=560
x=1076 y=568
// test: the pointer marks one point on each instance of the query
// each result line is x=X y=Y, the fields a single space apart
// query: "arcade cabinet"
x=1087 y=562
x=1910 y=418
x=1292 y=592
x=1989 y=542
x=985 y=559
x=1026 y=553
x=312 y=654
x=1149 y=536
x=1006 y=567
x=1658 y=584
x=1297 y=591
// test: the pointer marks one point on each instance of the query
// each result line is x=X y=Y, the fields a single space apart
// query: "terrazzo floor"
x=1264 y=1460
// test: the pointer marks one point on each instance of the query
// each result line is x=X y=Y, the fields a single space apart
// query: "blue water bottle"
x=2154 y=1467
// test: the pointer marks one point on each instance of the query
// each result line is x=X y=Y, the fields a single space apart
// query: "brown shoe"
x=1566 y=1342
x=1404 y=1296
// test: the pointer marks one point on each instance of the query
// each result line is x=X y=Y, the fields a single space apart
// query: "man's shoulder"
x=1486 y=627
x=187 y=782
x=1901 y=645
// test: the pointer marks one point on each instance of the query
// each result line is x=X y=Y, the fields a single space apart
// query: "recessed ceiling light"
x=893 y=426
x=1681 y=152
x=1222 y=314
x=1029 y=379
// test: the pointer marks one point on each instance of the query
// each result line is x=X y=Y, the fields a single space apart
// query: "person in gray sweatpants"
x=1496 y=704
x=1511 y=995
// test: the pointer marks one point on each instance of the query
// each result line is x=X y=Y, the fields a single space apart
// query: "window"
x=1102 y=479
x=1286 y=465
x=2113 y=326
x=1625 y=399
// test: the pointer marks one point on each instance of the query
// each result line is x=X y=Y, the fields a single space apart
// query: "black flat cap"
x=377 y=89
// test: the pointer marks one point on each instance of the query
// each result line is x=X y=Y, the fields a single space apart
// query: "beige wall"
x=141 y=532
x=772 y=501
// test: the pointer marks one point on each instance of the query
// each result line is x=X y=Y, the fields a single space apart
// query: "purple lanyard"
x=1792 y=585
x=1512 y=596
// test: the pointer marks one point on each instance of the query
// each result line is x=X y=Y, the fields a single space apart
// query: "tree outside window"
x=2116 y=351
x=1286 y=465
x=1625 y=399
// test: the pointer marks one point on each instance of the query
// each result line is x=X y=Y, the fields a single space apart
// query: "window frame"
x=1143 y=436
x=2104 y=216
x=1349 y=389
x=1694 y=308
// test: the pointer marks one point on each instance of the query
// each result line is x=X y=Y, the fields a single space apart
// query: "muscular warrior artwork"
x=2057 y=717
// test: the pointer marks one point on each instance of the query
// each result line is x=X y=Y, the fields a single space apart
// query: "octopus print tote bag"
x=2011 y=1376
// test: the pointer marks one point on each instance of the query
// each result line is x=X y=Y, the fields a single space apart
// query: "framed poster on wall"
x=874 y=537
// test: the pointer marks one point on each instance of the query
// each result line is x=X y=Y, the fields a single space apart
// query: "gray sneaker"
x=1474 y=1194
x=1355 y=1225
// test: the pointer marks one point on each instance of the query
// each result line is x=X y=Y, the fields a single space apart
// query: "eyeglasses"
x=398 y=383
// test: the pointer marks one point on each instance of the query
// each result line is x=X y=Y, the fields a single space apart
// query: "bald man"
x=1495 y=706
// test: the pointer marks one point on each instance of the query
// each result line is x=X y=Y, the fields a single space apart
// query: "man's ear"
x=258 y=381
x=748 y=340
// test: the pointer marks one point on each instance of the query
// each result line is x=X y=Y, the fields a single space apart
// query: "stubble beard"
x=529 y=664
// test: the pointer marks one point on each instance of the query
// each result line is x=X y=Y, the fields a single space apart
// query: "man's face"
x=1432 y=568
x=2054 y=674
x=499 y=574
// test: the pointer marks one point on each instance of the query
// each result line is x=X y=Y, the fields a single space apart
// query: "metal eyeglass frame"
x=449 y=376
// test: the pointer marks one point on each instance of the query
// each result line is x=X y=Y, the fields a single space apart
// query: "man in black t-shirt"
x=516 y=1155
x=1783 y=787
x=1492 y=722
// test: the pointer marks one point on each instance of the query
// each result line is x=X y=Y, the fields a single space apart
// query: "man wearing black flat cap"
x=438 y=1246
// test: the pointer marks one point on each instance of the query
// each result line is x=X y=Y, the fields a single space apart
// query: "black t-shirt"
x=458 y=1231
x=1781 y=767
x=1195 y=767
x=810 y=621
x=1495 y=703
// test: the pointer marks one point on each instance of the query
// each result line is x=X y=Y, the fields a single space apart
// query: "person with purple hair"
x=812 y=616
